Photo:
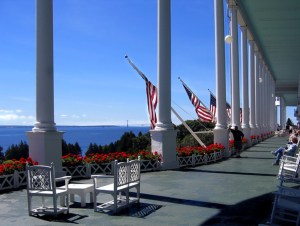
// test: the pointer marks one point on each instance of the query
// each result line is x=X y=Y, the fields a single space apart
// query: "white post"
x=220 y=130
x=273 y=106
x=260 y=119
x=235 y=81
x=262 y=101
x=44 y=140
x=245 y=109
x=163 y=137
x=282 y=113
x=257 y=94
x=252 y=88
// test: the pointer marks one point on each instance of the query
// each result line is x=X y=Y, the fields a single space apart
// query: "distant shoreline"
x=80 y=126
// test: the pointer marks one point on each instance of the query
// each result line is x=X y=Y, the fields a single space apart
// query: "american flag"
x=213 y=105
x=241 y=115
x=152 y=102
x=151 y=92
x=203 y=113
x=228 y=109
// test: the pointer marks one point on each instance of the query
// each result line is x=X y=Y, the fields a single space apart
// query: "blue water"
x=84 y=135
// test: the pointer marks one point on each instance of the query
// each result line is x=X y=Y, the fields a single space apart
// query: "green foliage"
x=94 y=149
x=126 y=142
x=184 y=138
x=142 y=142
x=68 y=148
x=17 y=151
x=2 y=156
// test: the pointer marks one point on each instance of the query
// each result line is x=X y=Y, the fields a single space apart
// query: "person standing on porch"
x=237 y=137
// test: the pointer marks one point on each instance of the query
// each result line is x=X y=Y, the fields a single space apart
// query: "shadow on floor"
x=249 y=212
x=63 y=218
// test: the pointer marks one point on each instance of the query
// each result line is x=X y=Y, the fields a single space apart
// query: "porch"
x=237 y=191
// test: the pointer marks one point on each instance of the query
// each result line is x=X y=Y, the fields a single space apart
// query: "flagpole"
x=226 y=104
x=135 y=68
x=196 y=96
x=211 y=93
x=188 y=128
x=151 y=92
x=215 y=97
x=191 y=116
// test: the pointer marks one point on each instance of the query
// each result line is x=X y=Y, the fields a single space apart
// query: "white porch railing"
x=13 y=181
x=200 y=159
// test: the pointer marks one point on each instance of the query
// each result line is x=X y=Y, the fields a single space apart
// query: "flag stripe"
x=151 y=92
x=202 y=112
x=213 y=105
x=152 y=102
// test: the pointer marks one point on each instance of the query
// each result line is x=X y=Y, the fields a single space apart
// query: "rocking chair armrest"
x=101 y=176
x=96 y=177
x=65 y=178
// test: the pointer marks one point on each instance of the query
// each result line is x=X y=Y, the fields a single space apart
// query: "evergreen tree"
x=77 y=149
x=64 y=149
x=17 y=151
x=141 y=142
x=126 y=142
x=2 y=156
x=92 y=149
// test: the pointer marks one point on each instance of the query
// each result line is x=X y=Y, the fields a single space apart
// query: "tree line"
x=129 y=142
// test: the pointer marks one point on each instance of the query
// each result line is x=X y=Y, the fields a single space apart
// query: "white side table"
x=81 y=190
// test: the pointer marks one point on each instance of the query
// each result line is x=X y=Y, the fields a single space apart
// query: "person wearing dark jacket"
x=238 y=138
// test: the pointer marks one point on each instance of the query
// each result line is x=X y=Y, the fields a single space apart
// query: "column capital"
x=243 y=27
x=233 y=5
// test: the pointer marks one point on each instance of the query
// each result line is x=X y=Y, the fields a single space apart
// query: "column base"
x=221 y=136
x=247 y=135
x=46 y=147
x=164 y=142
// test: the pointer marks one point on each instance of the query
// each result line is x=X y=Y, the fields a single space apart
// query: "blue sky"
x=94 y=84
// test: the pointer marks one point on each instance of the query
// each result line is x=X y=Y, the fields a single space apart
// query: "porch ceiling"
x=275 y=27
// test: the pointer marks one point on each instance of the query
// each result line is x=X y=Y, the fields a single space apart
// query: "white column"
x=164 y=65
x=257 y=94
x=263 y=97
x=164 y=136
x=44 y=67
x=252 y=88
x=235 y=82
x=282 y=113
x=44 y=140
x=245 y=108
x=220 y=130
x=260 y=119
x=261 y=91
x=268 y=100
x=272 y=105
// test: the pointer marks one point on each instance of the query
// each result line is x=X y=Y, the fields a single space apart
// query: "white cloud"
x=15 y=117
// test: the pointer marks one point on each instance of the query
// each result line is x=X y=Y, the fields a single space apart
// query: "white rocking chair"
x=288 y=170
x=41 y=182
x=126 y=176
x=286 y=206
